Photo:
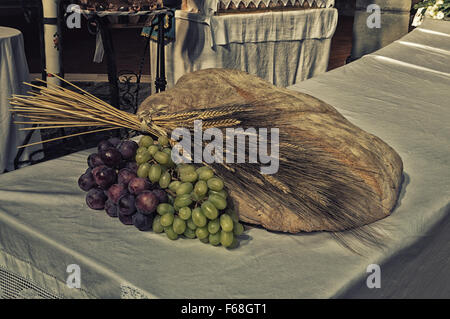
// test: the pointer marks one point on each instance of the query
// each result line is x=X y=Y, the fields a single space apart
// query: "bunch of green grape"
x=197 y=202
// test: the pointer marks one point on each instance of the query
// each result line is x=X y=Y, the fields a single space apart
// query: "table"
x=13 y=71
x=282 y=47
x=399 y=93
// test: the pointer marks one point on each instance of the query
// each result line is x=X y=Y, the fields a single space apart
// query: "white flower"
x=440 y=15
x=439 y=2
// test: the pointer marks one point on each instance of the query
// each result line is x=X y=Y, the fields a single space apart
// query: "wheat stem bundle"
x=57 y=107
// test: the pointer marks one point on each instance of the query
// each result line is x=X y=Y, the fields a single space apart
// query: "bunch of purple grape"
x=140 y=184
x=112 y=184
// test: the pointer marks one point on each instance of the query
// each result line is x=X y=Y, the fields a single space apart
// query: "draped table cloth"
x=282 y=47
x=13 y=71
x=399 y=93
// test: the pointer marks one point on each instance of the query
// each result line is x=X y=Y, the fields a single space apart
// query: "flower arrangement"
x=436 y=9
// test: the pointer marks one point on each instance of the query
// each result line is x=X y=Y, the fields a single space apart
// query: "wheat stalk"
x=55 y=106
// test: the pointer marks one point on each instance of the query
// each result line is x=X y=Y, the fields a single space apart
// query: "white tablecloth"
x=281 y=47
x=400 y=93
x=13 y=71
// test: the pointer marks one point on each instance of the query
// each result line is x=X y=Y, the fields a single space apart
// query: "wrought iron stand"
x=104 y=27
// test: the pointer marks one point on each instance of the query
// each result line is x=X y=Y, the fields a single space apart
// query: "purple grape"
x=111 y=209
x=94 y=160
x=86 y=181
x=125 y=176
x=123 y=164
x=88 y=170
x=103 y=145
x=114 y=141
x=126 y=219
x=111 y=157
x=138 y=184
x=142 y=222
x=128 y=149
x=126 y=204
x=96 y=199
x=146 y=202
x=132 y=166
x=104 y=177
x=116 y=191
x=161 y=195
x=96 y=169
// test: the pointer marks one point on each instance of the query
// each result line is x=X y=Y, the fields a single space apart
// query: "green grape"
x=205 y=240
x=198 y=217
x=171 y=234
x=234 y=216
x=201 y=168
x=226 y=238
x=202 y=232
x=226 y=223
x=157 y=227
x=200 y=188
x=205 y=173
x=179 y=225
x=167 y=219
x=173 y=186
x=184 y=188
x=215 y=184
x=168 y=151
x=170 y=199
x=214 y=239
x=188 y=177
x=143 y=170
x=218 y=201
x=164 y=208
x=197 y=198
x=210 y=210
x=154 y=174
x=141 y=150
x=213 y=226
x=222 y=193
x=142 y=158
x=185 y=168
x=238 y=229
x=145 y=141
x=189 y=233
x=185 y=213
x=161 y=157
x=152 y=149
x=165 y=179
x=183 y=200
x=190 y=224
x=163 y=140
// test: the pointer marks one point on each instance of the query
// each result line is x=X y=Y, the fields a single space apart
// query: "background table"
x=13 y=71
x=282 y=47
x=399 y=93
